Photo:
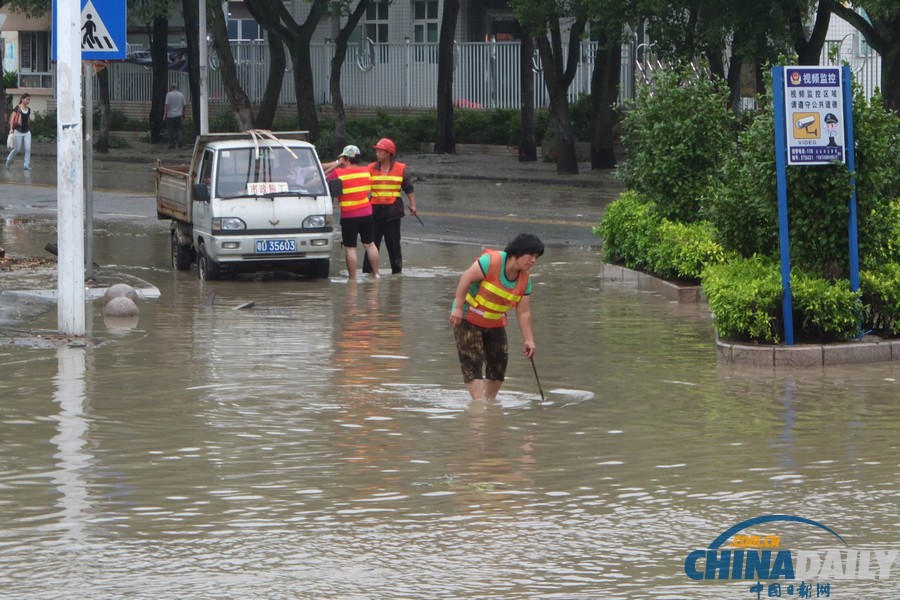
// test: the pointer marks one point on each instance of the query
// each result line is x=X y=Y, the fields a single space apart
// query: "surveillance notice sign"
x=814 y=110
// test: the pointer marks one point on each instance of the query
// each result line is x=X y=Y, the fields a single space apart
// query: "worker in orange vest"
x=351 y=185
x=495 y=284
x=389 y=178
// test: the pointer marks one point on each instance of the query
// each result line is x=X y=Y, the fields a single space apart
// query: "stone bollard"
x=121 y=306
x=120 y=290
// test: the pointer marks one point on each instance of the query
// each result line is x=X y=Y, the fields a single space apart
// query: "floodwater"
x=321 y=444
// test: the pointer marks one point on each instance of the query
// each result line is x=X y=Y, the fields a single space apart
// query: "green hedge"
x=635 y=235
x=745 y=296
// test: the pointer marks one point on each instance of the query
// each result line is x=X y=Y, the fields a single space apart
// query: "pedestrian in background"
x=173 y=113
x=495 y=283
x=351 y=184
x=389 y=178
x=19 y=122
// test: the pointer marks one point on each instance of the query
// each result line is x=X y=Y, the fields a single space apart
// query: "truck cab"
x=249 y=201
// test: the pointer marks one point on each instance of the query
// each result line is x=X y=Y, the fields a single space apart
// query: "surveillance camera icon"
x=806 y=126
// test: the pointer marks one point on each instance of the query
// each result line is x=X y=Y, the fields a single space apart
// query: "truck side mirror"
x=201 y=192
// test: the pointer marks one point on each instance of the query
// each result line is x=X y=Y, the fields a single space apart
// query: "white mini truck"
x=248 y=201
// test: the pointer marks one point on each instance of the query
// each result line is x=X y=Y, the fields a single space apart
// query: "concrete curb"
x=674 y=291
x=759 y=355
x=807 y=355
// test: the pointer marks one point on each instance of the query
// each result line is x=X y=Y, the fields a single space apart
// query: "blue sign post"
x=813 y=126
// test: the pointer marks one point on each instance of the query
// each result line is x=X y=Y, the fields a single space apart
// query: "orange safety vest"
x=488 y=307
x=357 y=186
x=386 y=186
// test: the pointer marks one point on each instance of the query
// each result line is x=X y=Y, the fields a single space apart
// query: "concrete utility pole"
x=69 y=170
x=204 y=73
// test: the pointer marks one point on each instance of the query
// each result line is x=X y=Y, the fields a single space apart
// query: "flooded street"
x=321 y=444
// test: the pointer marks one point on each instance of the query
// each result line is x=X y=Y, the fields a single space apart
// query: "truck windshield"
x=243 y=171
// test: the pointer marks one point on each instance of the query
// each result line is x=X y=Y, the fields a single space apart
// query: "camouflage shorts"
x=483 y=353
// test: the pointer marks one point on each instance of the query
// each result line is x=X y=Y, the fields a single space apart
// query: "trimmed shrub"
x=677 y=134
x=745 y=298
x=824 y=311
x=629 y=230
x=683 y=250
x=881 y=299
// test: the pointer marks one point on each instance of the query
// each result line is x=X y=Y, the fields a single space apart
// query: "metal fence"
x=486 y=75
x=404 y=76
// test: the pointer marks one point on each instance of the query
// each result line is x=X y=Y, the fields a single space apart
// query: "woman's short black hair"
x=525 y=243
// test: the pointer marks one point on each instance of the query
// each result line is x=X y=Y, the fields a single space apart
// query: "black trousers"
x=174 y=131
x=389 y=231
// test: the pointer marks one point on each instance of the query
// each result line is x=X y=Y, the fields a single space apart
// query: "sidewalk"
x=472 y=162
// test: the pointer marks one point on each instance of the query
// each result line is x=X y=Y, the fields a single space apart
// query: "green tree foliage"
x=881 y=28
x=677 y=134
x=543 y=19
x=743 y=203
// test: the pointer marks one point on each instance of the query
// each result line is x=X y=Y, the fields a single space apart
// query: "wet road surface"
x=321 y=445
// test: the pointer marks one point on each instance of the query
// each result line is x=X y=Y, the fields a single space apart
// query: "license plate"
x=275 y=246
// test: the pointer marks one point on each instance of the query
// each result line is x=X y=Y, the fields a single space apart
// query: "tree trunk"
x=191 y=11
x=734 y=83
x=527 y=139
x=105 y=111
x=237 y=97
x=303 y=88
x=265 y=116
x=159 y=54
x=604 y=98
x=337 y=99
x=446 y=140
x=566 y=159
x=337 y=65
x=809 y=49
x=559 y=71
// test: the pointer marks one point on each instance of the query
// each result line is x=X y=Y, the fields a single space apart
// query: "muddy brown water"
x=321 y=444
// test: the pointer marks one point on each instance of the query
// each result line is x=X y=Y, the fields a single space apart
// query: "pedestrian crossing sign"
x=103 y=32
x=103 y=29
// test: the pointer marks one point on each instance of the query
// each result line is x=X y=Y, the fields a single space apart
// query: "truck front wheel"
x=207 y=268
x=181 y=255
x=320 y=269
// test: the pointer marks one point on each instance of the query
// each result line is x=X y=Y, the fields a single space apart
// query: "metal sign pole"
x=781 y=179
x=89 y=170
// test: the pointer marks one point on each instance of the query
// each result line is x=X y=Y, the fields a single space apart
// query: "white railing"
x=404 y=76
x=486 y=75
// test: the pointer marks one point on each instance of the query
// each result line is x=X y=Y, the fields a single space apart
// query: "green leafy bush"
x=43 y=126
x=222 y=122
x=683 y=250
x=636 y=236
x=677 y=134
x=487 y=127
x=824 y=311
x=743 y=204
x=881 y=299
x=629 y=230
x=745 y=298
x=10 y=80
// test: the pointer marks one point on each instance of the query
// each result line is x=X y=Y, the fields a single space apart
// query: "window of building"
x=377 y=21
x=244 y=30
x=34 y=59
x=425 y=29
x=377 y=26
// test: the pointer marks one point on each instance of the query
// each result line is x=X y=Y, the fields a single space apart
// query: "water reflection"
x=74 y=463
x=325 y=437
